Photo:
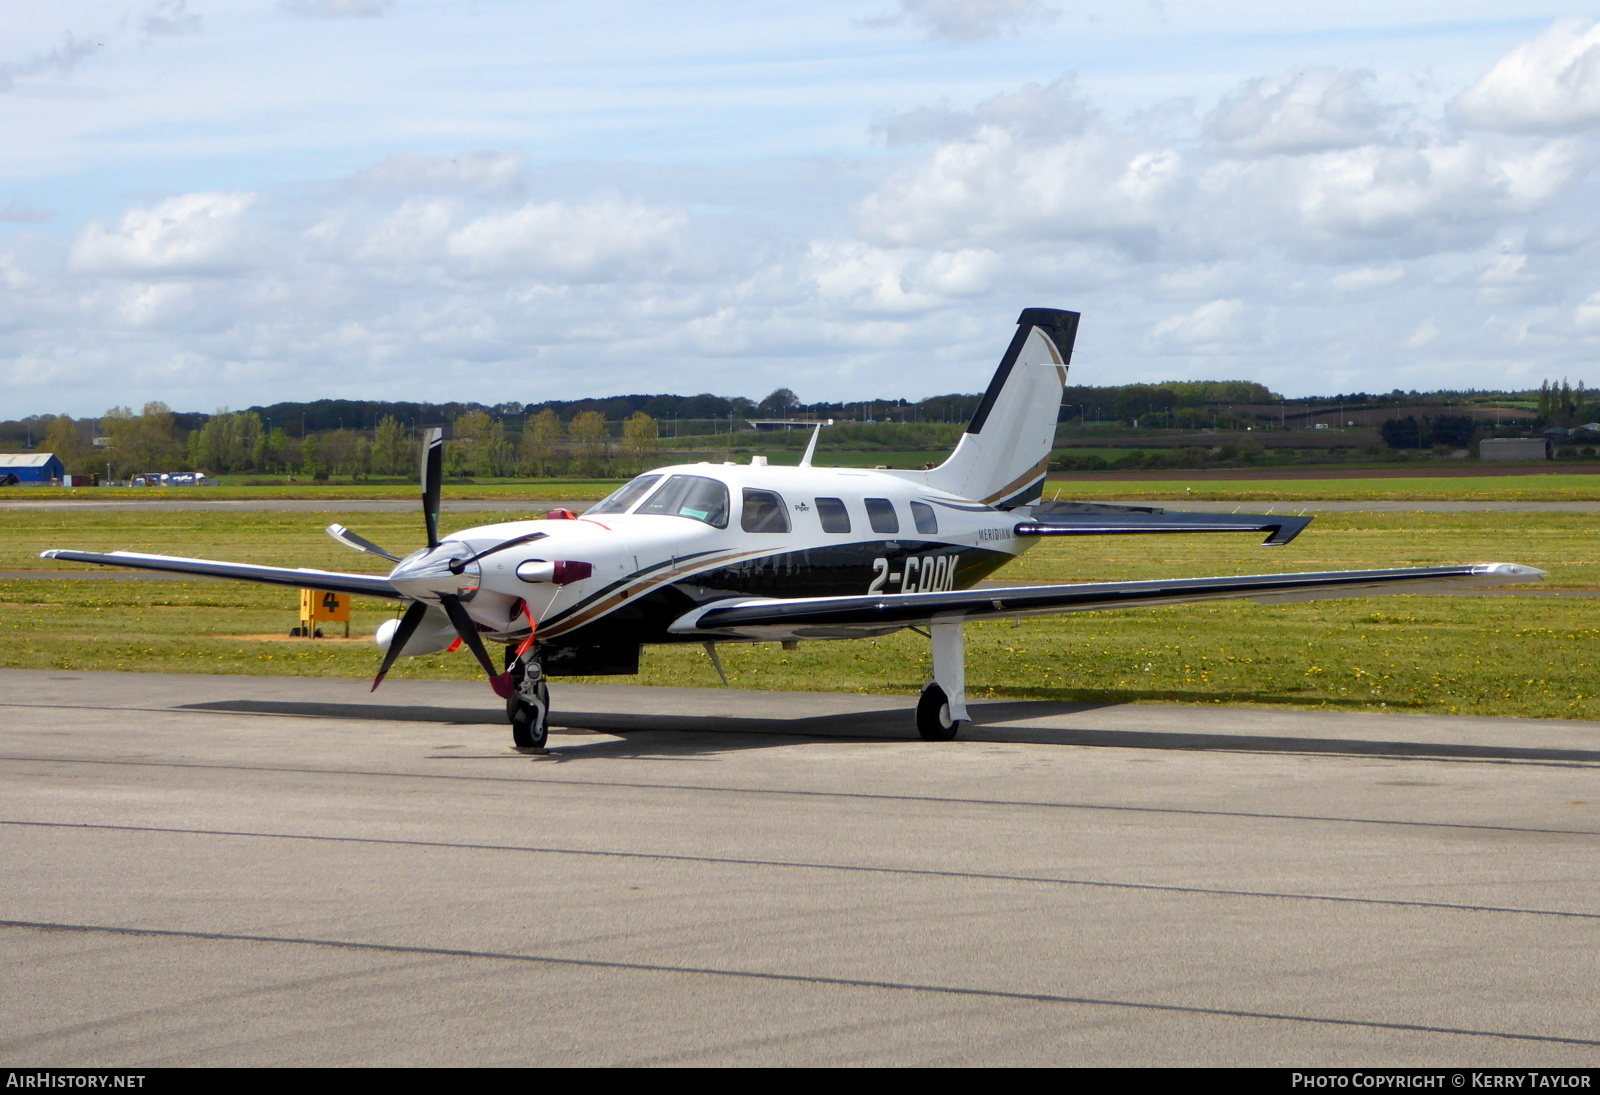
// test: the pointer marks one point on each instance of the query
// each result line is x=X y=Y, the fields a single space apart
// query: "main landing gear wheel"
x=933 y=716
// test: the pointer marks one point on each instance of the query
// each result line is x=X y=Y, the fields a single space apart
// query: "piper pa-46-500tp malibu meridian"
x=710 y=553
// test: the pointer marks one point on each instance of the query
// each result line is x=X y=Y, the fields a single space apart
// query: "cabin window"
x=881 y=515
x=691 y=496
x=764 y=511
x=623 y=498
x=835 y=518
x=923 y=515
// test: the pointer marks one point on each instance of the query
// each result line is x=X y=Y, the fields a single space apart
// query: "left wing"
x=848 y=617
x=368 y=585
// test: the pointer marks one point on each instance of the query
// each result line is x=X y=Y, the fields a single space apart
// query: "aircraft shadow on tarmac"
x=719 y=733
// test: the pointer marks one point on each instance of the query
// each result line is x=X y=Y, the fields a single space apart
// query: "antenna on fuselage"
x=811 y=446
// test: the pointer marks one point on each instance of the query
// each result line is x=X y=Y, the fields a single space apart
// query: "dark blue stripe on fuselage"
x=833 y=570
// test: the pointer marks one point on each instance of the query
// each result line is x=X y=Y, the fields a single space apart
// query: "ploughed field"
x=1488 y=654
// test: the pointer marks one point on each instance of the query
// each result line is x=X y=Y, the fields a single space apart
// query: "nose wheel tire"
x=933 y=716
x=528 y=708
x=530 y=717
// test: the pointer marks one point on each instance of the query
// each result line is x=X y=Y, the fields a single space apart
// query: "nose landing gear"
x=528 y=707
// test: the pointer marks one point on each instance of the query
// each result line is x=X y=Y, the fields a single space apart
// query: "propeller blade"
x=360 y=543
x=432 y=476
x=468 y=630
x=408 y=626
x=458 y=565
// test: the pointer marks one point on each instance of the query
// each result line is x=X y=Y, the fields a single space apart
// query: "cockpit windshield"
x=691 y=496
x=626 y=495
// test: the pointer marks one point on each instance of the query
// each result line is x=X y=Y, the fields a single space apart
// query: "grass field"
x=1491 y=655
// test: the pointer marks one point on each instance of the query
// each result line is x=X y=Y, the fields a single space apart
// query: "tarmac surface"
x=292 y=871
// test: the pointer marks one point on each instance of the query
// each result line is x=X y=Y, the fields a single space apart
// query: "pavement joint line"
x=806 y=793
x=796 y=978
x=669 y=857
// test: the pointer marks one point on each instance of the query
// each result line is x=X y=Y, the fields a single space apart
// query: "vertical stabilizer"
x=1002 y=458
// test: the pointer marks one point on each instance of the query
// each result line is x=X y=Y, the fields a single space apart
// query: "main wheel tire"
x=530 y=722
x=933 y=716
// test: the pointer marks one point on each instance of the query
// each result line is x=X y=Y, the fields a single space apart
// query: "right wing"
x=367 y=585
x=872 y=614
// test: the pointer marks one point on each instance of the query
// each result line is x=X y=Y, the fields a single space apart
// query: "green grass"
x=1487 y=655
x=1466 y=655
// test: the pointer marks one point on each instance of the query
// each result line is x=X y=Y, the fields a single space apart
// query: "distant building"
x=772 y=425
x=36 y=468
x=1515 y=448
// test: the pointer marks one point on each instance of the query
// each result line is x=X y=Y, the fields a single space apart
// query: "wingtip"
x=51 y=554
x=1514 y=572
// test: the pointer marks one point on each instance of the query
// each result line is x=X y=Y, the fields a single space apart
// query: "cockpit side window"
x=927 y=521
x=691 y=496
x=621 y=499
x=881 y=515
x=764 y=511
x=834 y=517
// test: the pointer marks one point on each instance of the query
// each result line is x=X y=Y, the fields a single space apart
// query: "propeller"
x=359 y=542
x=432 y=476
x=408 y=626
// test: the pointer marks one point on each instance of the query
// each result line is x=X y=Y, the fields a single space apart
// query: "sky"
x=221 y=203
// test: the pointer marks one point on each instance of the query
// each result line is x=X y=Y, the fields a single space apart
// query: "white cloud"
x=593 y=241
x=188 y=234
x=170 y=17
x=862 y=278
x=1426 y=334
x=1312 y=110
x=485 y=173
x=1036 y=111
x=968 y=20
x=1550 y=84
x=61 y=61
x=995 y=186
x=1216 y=326
x=18 y=213
x=1366 y=278
x=1587 y=315
x=336 y=9
x=1437 y=196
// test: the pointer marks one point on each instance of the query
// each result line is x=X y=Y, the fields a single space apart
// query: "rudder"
x=1003 y=455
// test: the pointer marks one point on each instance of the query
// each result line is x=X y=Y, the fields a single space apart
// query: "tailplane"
x=1002 y=458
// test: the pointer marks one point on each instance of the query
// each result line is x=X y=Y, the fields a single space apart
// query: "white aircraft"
x=714 y=553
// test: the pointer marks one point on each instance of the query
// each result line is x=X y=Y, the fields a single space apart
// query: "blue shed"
x=32 y=467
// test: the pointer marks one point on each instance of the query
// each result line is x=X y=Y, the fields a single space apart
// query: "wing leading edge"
x=366 y=585
x=836 y=617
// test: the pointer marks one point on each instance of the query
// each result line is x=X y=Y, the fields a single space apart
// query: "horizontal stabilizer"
x=366 y=585
x=1124 y=521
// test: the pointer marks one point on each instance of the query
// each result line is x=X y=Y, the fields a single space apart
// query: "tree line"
x=612 y=435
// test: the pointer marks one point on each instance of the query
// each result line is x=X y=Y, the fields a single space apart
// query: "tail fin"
x=1001 y=459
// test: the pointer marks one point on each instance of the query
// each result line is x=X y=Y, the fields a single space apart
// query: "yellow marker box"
x=320 y=606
